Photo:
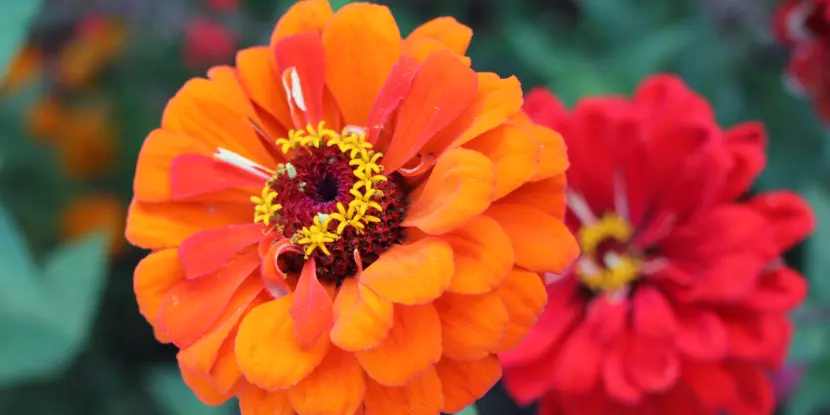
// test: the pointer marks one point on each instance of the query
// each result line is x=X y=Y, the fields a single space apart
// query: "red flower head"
x=678 y=303
x=208 y=43
x=798 y=20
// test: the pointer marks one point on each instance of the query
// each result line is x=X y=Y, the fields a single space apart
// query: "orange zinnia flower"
x=98 y=212
x=402 y=209
x=85 y=140
x=23 y=68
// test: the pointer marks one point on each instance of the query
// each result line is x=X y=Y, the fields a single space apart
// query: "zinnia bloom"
x=98 y=40
x=678 y=304
x=207 y=43
x=85 y=140
x=805 y=26
x=347 y=221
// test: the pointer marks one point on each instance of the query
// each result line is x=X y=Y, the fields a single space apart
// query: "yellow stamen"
x=316 y=236
x=265 y=207
x=612 y=270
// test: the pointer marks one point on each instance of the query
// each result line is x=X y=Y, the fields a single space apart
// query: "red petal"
x=545 y=109
x=652 y=365
x=755 y=393
x=607 y=317
x=617 y=382
x=192 y=306
x=745 y=145
x=713 y=386
x=653 y=315
x=312 y=308
x=302 y=58
x=753 y=337
x=209 y=250
x=790 y=215
x=196 y=174
x=442 y=89
x=779 y=290
x=397 y=86
x=576 y=370
x=700 y=335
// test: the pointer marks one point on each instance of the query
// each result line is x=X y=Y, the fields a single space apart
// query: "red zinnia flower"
x=679 y=301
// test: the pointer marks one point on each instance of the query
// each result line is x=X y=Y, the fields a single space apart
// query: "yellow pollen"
x=265 y=207
x=365 y=163
x=609 y=271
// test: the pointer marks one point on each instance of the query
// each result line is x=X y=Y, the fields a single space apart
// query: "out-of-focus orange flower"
x=97 y=212
x=98 y=41
x=25 y=66
x=44 y=117
x=85 y=141
x=208 y=43
x=346 y=221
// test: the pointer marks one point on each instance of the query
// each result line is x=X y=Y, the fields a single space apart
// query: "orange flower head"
x=44 y=117
x=98 y=212
x=98 y=41
x=85 y=141
x=347 y=221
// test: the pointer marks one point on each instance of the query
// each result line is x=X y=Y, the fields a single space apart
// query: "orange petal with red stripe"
x=209 y=250
x=442 y=89
x=312 y=307
x=192 y=306
x=397 y=86
x=301 y=63
x=166 y=225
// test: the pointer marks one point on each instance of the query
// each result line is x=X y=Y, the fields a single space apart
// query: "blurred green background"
x=86 y=80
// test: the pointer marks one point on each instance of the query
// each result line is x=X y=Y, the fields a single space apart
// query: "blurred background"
x=86 y=80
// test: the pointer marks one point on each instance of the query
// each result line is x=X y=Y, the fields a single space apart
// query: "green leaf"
x=15 y=17
x=174 y=397
x=337 y=4
x=33 y=347
x=811 y=394
x=470 y=410
x=19 y=288
x=816 y=261
x=74 y=279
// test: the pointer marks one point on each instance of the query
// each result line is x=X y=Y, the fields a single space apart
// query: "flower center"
x=332 y=200
x=607 y=263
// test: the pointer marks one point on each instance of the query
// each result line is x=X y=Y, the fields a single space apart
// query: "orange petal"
x=362 y=318
x=154 y=276
x=256 y=401
x=442 y=89
x=421 y=396
x=301 y=64
x=193 y=306
x=152 y=171
x=495 y=102
x=209 y=250
x=204 y=389
x=421 y=48
x=524 y=297
x=412 y=346
x=482 y=256
x=396 y=88
x=257 y=71
x=225 y=373
x=311 y=309
x=541 y=242
x=340 y=378
x=188 y=172
x=211 y=113
x=514 y=153
x=267 y=352
x=200 y=356
x=304 y=16
x=472 y=326
x=411 y=274
x=465 y=382
x=553 y=153
x=166 y=225
x=461 y=186
x=446 y=30
x=547 y=195
x=362 y=43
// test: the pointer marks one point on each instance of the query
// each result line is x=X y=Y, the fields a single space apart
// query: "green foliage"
x=175 y=398
x=46 y=314
x=470 y=410
x=15 y=17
